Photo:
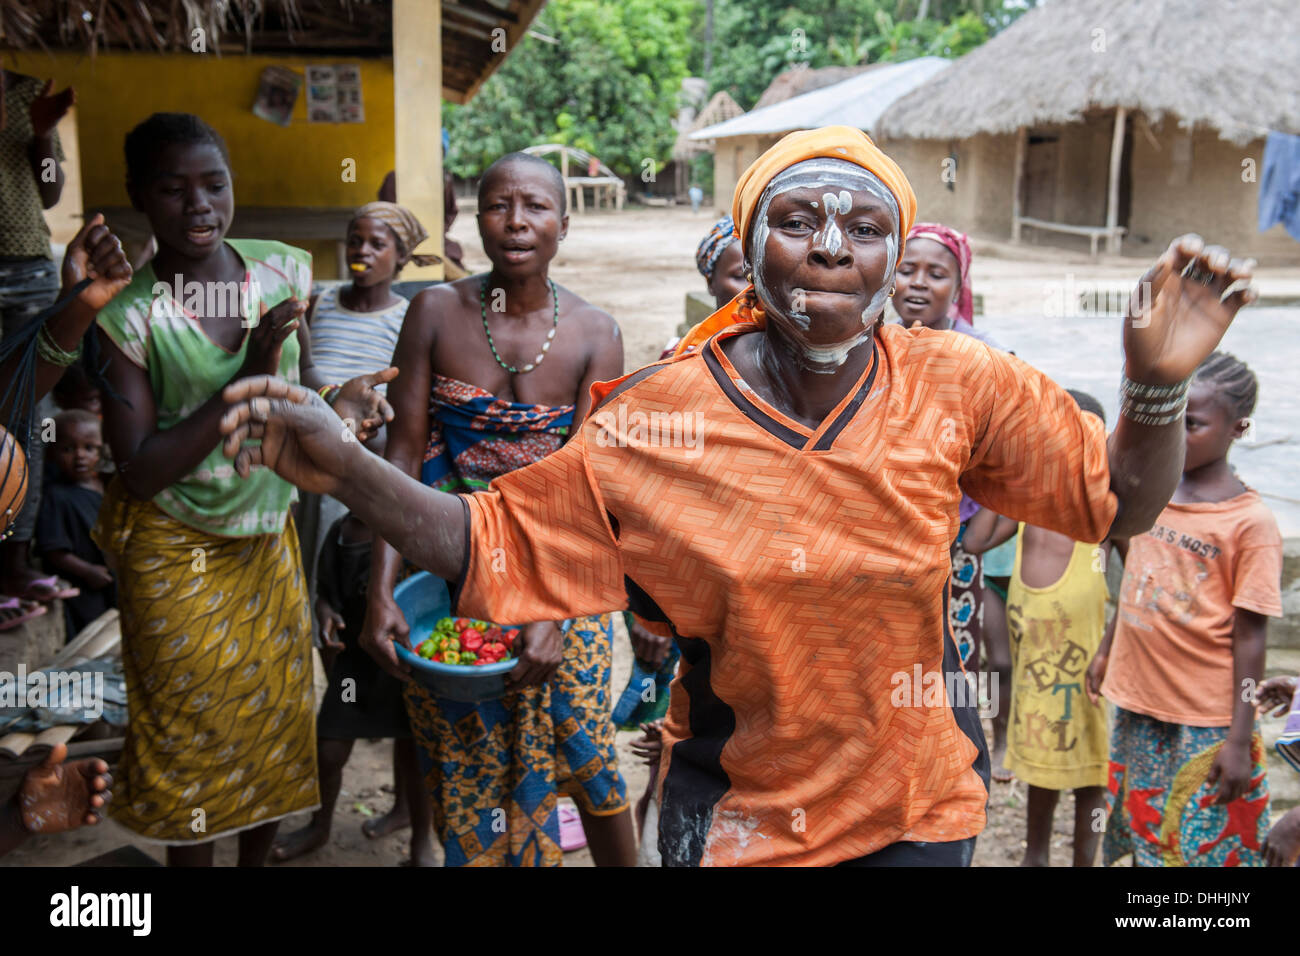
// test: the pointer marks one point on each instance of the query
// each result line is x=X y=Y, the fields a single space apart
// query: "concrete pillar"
x=417 y=115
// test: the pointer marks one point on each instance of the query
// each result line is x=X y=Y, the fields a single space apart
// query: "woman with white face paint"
x=781 y=497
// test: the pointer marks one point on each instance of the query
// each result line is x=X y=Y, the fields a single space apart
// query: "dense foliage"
x=610 y=81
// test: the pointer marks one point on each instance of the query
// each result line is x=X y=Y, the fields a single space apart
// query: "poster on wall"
x=348 y=79
x=322 y=95
x=277 y=92
x=334 y=94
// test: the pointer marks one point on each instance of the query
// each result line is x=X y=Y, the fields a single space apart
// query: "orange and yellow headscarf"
x=829 y=142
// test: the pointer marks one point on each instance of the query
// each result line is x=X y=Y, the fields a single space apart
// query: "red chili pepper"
x=472 y=641
x=463 y=622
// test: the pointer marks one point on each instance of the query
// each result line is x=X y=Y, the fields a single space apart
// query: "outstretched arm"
x=305 y=443
x=1175 y=321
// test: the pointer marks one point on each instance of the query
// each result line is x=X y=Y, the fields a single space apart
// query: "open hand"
x=50 y=107
x=96 y=253
x=301 y=438
x=265 y=341
x=1178 y=313
x=358 y=402
x=543 y=645
x=55 y=796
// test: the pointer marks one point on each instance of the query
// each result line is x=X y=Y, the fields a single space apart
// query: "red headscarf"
x=959 y=245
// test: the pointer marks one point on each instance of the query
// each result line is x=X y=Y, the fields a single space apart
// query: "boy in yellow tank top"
x=1056 y=615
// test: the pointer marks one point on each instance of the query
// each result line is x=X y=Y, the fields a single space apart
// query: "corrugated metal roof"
x=858 y=101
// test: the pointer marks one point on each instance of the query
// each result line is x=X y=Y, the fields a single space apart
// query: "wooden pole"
x=1112 y=192
x=1018 y=181
x=417 y=121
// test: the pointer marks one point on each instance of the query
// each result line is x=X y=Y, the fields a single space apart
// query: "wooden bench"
x=603 y=188
x=1113 y=236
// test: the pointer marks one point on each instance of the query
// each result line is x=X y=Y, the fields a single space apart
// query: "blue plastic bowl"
x=424 y=600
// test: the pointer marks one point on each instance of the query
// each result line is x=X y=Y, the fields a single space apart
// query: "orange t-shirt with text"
x=1183 y=582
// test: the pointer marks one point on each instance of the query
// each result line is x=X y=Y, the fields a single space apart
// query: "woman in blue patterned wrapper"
x=495 y=370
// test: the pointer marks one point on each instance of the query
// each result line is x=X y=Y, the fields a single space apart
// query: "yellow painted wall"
x=298 y=165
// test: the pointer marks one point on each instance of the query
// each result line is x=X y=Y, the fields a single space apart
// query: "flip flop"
x=572 y=836
x=54 y=588
x=28 y=609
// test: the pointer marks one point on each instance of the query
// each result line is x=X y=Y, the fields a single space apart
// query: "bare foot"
x=390 y=822
x=1000 y=773
x=298 y=843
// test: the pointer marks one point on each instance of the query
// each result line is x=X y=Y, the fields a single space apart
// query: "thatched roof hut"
x=1088 y=110
x=1225 y=64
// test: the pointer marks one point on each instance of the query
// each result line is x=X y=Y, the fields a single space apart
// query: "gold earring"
x=892 y=291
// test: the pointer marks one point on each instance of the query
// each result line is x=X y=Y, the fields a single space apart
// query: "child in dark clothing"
x=69 y=508
x=362 y=701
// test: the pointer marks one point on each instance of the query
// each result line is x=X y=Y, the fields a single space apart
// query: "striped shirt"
x=345 y=344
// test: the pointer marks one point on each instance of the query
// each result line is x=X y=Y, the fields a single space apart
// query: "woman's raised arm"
x=1176 y=317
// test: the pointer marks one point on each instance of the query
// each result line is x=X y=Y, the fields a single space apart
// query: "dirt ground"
x=639 y=265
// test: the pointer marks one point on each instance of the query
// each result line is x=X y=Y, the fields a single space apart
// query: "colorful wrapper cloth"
x=494 y=770
x=221 y=732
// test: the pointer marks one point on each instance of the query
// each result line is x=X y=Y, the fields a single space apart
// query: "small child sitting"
x=69 y=508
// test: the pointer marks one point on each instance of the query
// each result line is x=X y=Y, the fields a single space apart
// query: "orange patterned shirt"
x=804 y=575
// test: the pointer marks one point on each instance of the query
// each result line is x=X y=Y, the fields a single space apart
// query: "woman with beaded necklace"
x=495 y=371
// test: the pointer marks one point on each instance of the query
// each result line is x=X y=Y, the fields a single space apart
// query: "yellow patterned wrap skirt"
x=216 y=646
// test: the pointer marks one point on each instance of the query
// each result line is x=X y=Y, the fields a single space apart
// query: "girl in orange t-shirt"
x=1185 y=651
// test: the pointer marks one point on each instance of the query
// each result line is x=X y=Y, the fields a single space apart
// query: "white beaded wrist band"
x=1153 y=404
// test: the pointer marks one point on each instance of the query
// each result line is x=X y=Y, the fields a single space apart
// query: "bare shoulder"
x=592 y=319
x=445 y=302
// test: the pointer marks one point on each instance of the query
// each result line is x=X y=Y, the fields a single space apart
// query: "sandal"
x=572 y=836
x=15 y=611
x=49 y=589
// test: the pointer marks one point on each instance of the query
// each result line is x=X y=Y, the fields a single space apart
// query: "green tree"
x=609 y=85
x=754 y=40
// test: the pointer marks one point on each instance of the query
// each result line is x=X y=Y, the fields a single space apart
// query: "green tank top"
x=150 y=323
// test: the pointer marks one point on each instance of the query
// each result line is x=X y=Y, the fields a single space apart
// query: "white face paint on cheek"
x=830 y=175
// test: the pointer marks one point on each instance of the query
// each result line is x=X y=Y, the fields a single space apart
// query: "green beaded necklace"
x=550 y=336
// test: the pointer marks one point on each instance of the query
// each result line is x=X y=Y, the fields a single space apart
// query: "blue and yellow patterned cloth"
x=494 y=770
